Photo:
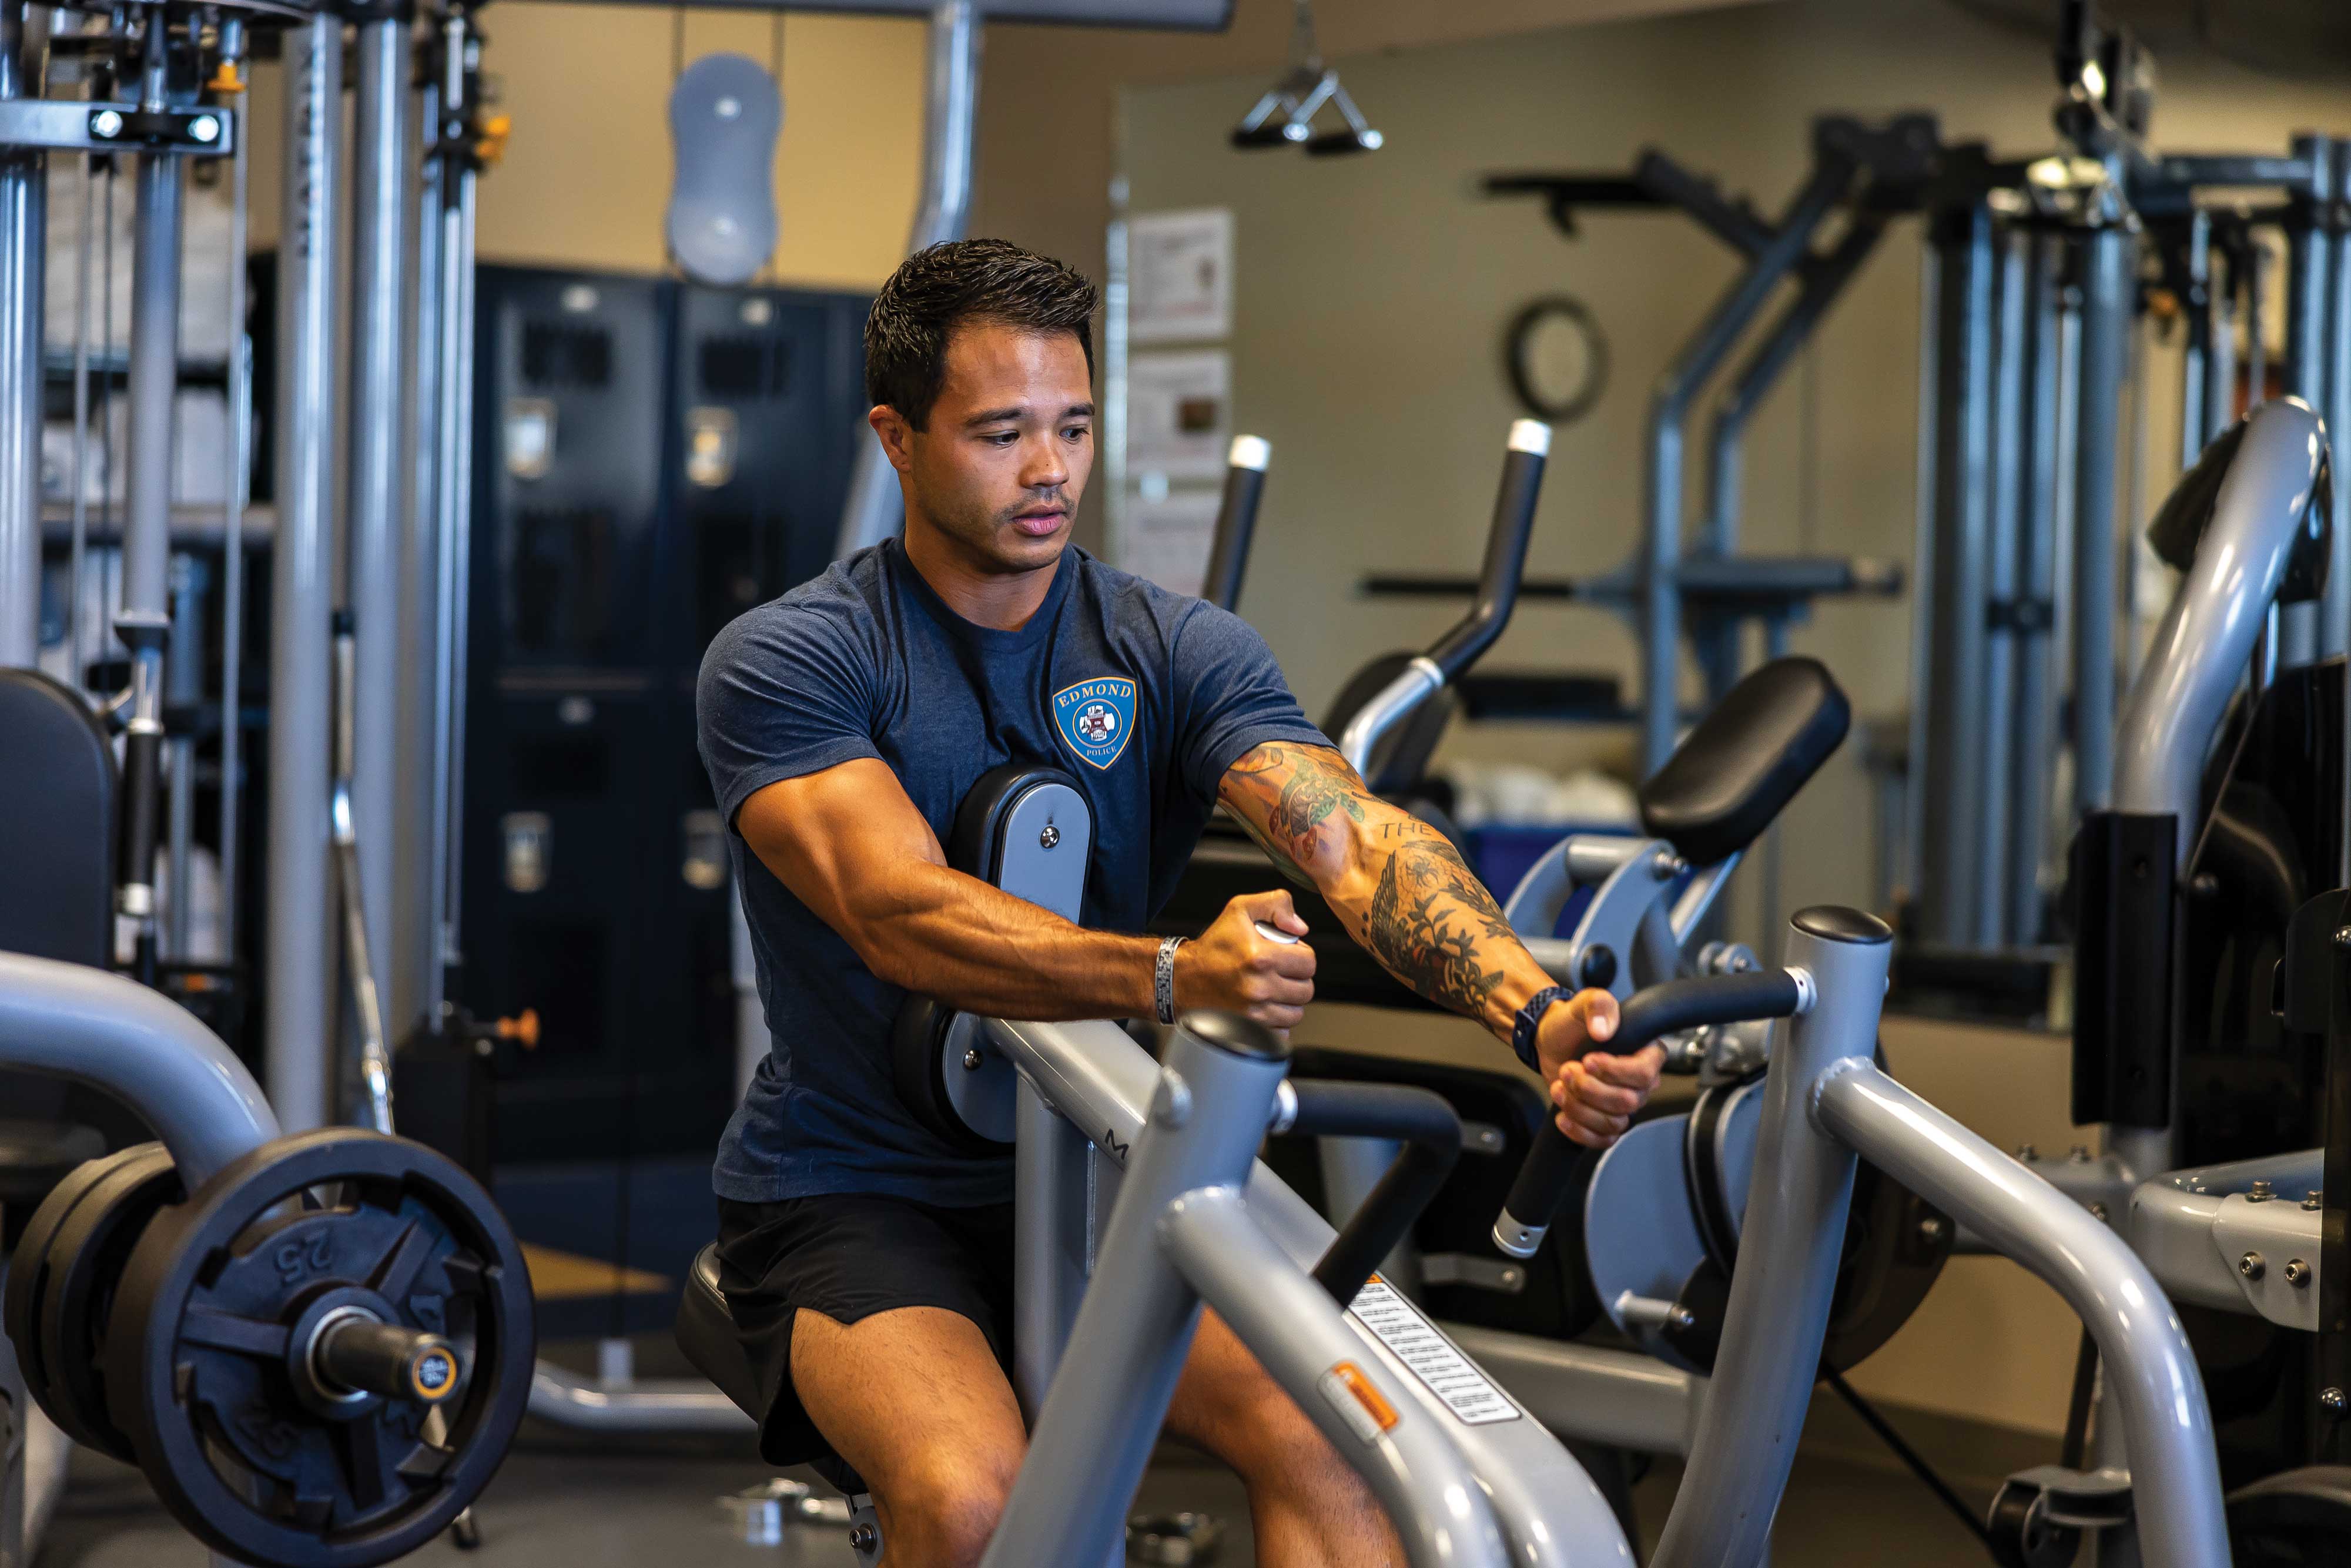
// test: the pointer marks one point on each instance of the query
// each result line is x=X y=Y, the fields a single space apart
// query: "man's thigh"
x=1227 y=1403
x=909 y=1398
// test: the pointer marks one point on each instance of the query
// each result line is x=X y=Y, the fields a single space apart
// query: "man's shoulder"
x=832 y=611
x=1135 y=602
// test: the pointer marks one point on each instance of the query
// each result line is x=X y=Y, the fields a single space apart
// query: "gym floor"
x=563 y=1500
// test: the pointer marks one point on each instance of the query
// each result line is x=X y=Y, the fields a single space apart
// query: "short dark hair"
x=942 y=286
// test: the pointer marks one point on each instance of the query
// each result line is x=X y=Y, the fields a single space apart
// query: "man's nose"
x=1043 y=467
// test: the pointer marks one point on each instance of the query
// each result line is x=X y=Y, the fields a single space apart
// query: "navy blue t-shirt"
x=1147 y=697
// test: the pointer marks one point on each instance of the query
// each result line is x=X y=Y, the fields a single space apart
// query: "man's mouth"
x=1041 y=524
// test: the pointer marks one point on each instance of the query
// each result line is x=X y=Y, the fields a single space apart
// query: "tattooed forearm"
x=1297 y=789
x=1397 y=884
x=1433 y=925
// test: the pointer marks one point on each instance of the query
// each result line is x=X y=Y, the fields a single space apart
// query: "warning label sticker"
x=1445 y=1371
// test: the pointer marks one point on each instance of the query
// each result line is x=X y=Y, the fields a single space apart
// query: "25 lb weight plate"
x=219 y=1357
x=61 y=1286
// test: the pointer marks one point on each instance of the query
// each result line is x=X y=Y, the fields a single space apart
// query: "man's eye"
x=1002 y=437
x=1077 y=432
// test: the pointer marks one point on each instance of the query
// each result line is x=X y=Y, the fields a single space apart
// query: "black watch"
x=1530 y=1021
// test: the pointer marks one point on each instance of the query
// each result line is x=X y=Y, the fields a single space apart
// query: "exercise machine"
x=1139 y=1200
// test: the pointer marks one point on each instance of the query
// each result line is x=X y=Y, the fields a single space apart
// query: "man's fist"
x=1594 y=1094
x=1233 y=966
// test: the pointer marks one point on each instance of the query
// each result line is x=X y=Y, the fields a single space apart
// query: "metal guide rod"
x=376 y=468
x=2035 y=718
x=1909 y=876
x=2107 y=282
x=77 y=622
x=2309 y=262
x=144 y=622
x=239 y=486
x=301 y=931
x=1949 y=773
x=873 y=512
x=2003 y=546
x=185 y=688
x=2335 y=609
x=453 y=442
x=24 y=212
x=2196 y=349
x=414 y=938
x=375 y=1055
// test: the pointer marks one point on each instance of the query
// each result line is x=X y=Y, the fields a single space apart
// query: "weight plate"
x=85 y=1262
x=198 y=1357
x=30 y=1274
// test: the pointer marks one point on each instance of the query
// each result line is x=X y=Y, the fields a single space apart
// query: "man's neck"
x=1002 y=600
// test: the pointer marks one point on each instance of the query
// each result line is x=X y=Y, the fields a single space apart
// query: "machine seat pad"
x=706 y=1332
x=1746 y=761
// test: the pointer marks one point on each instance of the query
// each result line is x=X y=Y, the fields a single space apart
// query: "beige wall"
x=586 y=177
x=1372 y=293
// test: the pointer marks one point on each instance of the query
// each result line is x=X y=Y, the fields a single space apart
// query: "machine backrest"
x=1745 y=761
x=57 y=829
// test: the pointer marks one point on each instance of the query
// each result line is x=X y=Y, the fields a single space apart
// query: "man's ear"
x=898 y=435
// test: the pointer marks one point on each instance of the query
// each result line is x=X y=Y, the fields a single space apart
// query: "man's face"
x=1008 y=446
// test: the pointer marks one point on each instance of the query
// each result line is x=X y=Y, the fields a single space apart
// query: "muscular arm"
x=849 y=844
x=1401 y=887
x=1408 y=898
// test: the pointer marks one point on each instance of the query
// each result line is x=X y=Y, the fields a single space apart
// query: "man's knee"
x=1256 y=1428
x=941 y=1512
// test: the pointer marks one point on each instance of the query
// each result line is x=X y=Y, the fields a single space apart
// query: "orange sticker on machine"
x=1350 y=1391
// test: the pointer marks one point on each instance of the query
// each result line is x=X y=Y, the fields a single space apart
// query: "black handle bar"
x=1647 y=1015
x=1236 y=521
x=1431 y=1131
x=1506 y=553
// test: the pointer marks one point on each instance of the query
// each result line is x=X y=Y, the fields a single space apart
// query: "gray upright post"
x=378 y=469
x=2107 y=312
x=24 y=214
x=2195 y=382
x=1779 y=1294
x=2309 y=261
x=414 y=942
x=184 y=684
x=1095 y=1431
x=1670 y=404
x=144 y=621
x=302 y=927
x=453 y=526
x=1999 y=817
x=238 y=480
x=2334 y=611
x=2040 y=535
x=1949 y=775
x=950 y=110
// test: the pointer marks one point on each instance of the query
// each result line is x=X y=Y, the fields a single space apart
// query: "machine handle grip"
x=1647 y=1016
x=1430 y=1130
x=1235 y=521
x=1506 y=552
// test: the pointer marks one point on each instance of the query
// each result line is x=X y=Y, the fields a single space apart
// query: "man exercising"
x=869 y=1265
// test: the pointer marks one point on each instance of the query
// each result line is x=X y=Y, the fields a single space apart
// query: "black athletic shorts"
x=850 y=1256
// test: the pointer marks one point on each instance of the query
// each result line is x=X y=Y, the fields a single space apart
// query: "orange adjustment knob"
x=491 y=145
x=228 y=79
x=523 y=1030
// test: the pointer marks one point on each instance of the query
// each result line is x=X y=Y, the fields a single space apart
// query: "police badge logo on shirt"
x=1096 y=717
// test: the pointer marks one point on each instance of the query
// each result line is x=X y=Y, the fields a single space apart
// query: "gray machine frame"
x=1138 y=1199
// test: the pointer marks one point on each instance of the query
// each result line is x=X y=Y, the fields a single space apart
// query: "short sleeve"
x=785 y=691
x=1230 y=697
